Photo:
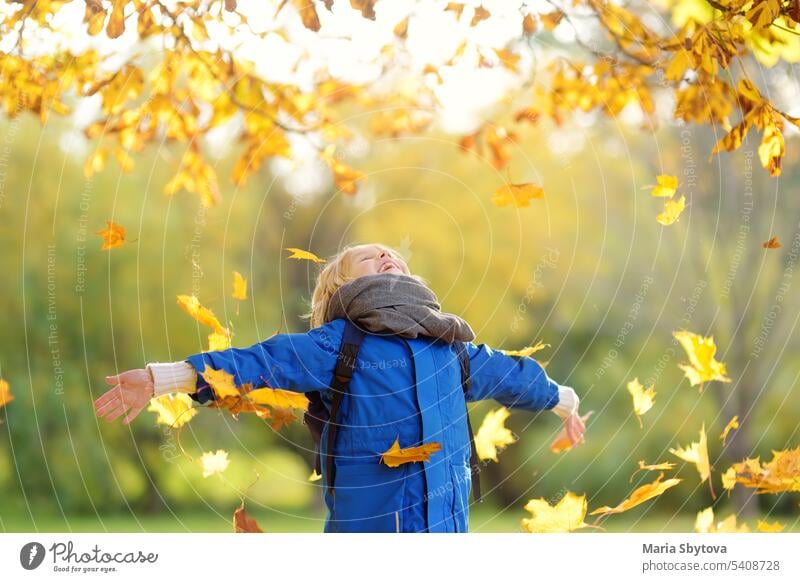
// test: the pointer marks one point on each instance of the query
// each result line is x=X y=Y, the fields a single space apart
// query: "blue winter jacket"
x=401 y=388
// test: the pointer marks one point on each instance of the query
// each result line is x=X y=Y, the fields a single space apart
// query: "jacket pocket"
x=368 y=497
x=461 y=476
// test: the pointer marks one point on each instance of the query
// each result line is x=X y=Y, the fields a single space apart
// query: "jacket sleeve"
x=300 y=362
x=513 y=381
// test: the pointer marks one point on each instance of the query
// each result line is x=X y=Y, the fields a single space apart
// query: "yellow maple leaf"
x=769 y=527
x=704 y=523
x=214 y=462
x=518 y=195
x=113 y=235
x=303 y=255
x=562 y=442
x=665 y=187
x=279 y=398
x=395 y=456
x=565 y=516
x=697 y=453
x=672 y=211
x=640 y=495
x=173 y=410
x=5 y=393
x=732 y=424
x=191 y=305
x=729 y=478
x=218 y=341
x=493 y=434
x=642 y=399
x=702 y=366
x=780 y=474
x=239 y=286
x=221 y=382
x=527 y=351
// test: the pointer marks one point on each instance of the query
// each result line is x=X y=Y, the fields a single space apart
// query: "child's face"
x=374 y=259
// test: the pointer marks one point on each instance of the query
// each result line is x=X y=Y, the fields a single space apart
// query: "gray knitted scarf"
x=397 y=305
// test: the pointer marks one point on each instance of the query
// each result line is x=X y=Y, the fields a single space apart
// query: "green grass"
x=482 y=520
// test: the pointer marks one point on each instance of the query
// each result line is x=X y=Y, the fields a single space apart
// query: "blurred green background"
x=587 y=270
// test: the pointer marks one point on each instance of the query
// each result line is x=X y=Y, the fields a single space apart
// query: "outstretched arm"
x=300 y=362
x=521 y=382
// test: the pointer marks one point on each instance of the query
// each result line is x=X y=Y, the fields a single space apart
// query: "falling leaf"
x=493 y=434
x=191 y=305
x=527 y=351
x=239 y=286
x=697 y=453
x=243 y=523
x=665 y=187
x=518 y=195
x=279 y=398
x=672 y=211
x=218 y=341
x=563 y=517
x=214 y=462
x=704 y=523
x=772 y=243
x=562 y=442
x=314 y=476
x=642 y=399
x=702 y=366
x=769 y=527
x=732 y=424
x=640 y=495
x=303 y=255
x=779 y=475
x=395 y=456
x=174 y=410
x=113 y=235
x=5 y=393
x=665 y=466
x=729 y=478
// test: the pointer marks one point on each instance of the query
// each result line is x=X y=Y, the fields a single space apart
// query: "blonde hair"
x=336 y=273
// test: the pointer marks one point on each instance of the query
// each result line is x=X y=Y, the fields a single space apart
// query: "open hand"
x=132 y=391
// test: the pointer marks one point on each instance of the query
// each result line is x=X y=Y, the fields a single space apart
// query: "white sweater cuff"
x=568 y=402
x=173 y=377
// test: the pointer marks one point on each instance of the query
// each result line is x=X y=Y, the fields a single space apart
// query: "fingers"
x=110 y=395
x=117 y=412
x=133 y=414
x=112 y=379
x=104 y=409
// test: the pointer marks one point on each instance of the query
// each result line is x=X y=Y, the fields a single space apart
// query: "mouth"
x=387 y=266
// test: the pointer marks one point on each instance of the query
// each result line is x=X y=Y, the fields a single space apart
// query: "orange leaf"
x=5 y=393
x=113 y=235
x=640 y=495
x=772 y=243
x=243 y=523
x=395 y=456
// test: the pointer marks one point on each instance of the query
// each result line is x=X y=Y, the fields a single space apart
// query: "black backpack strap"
x=346 y=363
x=463 y=358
